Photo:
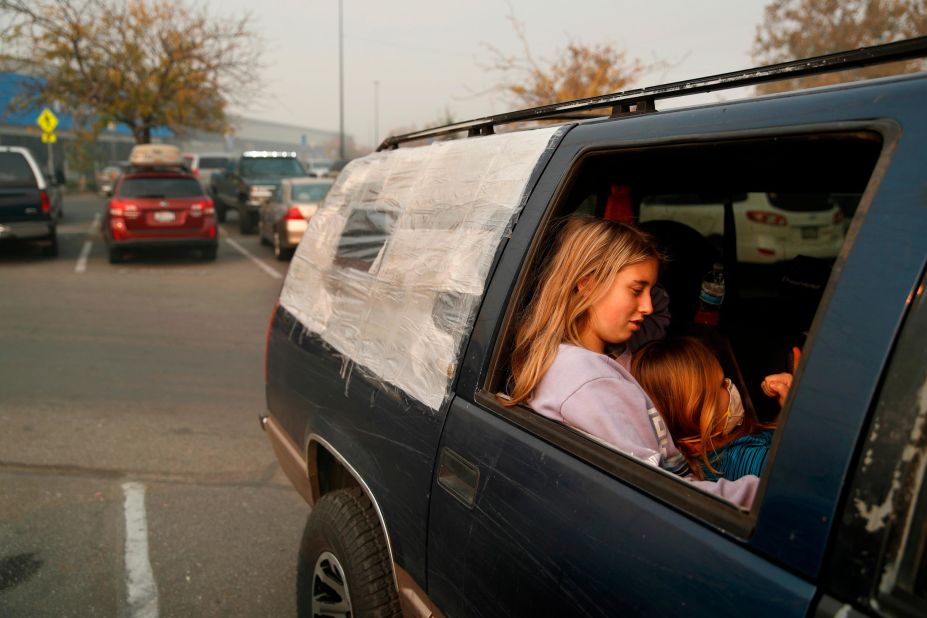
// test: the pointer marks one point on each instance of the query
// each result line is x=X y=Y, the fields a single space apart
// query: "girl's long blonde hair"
x=683 y=379
x=587 y=249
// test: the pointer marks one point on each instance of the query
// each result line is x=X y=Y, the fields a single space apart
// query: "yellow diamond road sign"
x=47 y=120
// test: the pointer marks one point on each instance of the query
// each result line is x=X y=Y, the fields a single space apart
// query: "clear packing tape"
x=392 y=267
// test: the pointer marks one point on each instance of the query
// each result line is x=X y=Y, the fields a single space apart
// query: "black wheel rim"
x=330 y=588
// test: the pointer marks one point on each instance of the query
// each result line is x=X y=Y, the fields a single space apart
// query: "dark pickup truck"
x=251 y=181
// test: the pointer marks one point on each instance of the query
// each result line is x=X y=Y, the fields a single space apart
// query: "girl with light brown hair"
x=702 y=409
x=594 y=293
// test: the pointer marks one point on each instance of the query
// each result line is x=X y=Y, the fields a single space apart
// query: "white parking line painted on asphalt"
x=84 y=254
x=267 y=269
x=81 y=265
x=140 y=583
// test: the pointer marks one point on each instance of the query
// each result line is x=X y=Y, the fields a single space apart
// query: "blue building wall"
x=11 y=84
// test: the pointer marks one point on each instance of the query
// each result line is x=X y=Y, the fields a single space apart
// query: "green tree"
x=143 y=63
x=793 y=29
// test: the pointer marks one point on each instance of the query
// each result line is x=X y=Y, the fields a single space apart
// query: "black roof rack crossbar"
x=642 y=99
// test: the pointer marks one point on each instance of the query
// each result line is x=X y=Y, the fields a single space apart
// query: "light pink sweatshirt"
x=596 y=395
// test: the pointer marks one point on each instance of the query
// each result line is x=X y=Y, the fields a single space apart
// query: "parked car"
x=771 y=227
x=250 y=182
x=106 y=178
x=158 y=204
x=318 y=167
x=284 y=218
x=204 y=164
x=388 y=359
x=30 y=205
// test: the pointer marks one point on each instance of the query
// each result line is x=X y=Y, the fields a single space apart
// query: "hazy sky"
x=430 y=57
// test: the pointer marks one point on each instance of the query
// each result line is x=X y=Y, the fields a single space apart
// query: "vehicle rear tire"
x=51 y=249
x=115 y=255
x=209 y=254
x=279 y=252
x=220 y=211
x=246 y=221
x=344 y=565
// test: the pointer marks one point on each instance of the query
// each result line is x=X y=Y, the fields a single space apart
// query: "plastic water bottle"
x=711 y=297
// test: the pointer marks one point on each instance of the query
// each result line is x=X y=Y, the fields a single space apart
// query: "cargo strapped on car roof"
x=643 y=99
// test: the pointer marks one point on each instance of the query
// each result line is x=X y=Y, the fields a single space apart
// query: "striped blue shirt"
x=745 y=455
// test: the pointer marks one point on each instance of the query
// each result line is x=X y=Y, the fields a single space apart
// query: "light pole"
x=340 y=82
x=376 y=113
x=111 y=127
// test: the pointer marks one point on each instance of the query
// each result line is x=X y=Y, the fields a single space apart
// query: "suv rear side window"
x=270 y=167
x=776 y=230
x=160 y=187
x=15 y=171
x=213 y=162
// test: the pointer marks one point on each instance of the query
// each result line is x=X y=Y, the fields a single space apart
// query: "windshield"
x=15 y=171
x=160 y=187
x=801 y=202
x=271 y=167
x=213 y=162
x=310 y=193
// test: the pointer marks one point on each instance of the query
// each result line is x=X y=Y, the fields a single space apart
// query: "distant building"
x=18 y=128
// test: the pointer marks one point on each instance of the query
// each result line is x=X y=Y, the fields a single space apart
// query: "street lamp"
x=340 y=82
x=376 y=113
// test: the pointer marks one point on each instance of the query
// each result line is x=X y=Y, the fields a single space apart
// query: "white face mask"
x=735 y=409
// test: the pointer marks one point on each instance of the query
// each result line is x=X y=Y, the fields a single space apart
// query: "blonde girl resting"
x=595 y=292
x=702 y=409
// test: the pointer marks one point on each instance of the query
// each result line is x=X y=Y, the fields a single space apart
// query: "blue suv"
x=388 y=353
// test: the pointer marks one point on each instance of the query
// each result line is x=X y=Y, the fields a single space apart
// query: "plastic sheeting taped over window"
x=393 y=265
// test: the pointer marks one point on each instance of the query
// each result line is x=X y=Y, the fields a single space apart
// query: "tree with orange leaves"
x=579 y=71
x=794 y=29
x=143 y=63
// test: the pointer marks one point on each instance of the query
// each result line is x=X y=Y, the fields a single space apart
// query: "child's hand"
x=777 y=385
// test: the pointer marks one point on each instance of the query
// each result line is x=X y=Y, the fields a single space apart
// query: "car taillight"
x=838 y=216
x=196 y=173
x=766 y=218
x=294 y=214
x=46 y=202
x=209 y=208
x=196 y=210
x=115 y=208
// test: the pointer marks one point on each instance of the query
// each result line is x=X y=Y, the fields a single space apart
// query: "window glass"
x=773 y=232
x=15 y=171
x=160 y=188
x=271 y=167
x=213 y=162
x=310 y=193
x=364 y=234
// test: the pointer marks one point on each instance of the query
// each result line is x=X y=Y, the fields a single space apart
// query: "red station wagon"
x=159 y=204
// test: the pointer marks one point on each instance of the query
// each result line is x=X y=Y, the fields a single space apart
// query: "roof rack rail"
x=643 y=99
